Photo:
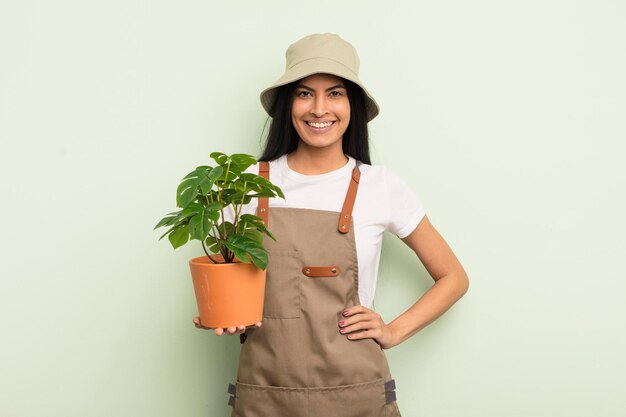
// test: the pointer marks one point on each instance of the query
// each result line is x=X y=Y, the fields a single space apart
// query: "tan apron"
x=297 y=364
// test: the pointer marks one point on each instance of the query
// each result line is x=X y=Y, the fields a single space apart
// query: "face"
x=321 y=110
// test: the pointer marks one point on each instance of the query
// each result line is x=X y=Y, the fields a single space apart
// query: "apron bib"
x=297 y=364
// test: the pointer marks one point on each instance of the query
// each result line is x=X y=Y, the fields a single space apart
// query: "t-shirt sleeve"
x=404 y=209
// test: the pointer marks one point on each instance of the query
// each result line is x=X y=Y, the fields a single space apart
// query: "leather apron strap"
x=348 y=204
x=264 y=171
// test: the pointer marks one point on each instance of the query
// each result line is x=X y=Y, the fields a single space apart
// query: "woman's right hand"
x=220 y=331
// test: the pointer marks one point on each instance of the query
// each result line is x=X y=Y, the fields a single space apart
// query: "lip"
x=320 y=129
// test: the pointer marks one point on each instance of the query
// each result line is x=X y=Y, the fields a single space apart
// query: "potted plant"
x=229 y=282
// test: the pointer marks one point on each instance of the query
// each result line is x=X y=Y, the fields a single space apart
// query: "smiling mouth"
x=319 y=125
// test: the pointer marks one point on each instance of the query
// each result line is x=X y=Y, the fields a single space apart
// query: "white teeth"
x=318 y=125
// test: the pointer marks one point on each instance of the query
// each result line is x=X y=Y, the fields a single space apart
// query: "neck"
x=315 y=161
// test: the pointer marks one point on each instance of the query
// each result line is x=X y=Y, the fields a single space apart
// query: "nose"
x=320 y=106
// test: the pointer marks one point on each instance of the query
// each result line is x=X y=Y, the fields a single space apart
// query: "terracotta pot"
x=228 y=295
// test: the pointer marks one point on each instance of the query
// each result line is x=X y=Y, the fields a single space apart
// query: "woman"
x=319 y=350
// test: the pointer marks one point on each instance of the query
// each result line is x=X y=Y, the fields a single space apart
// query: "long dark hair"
x=282 y=137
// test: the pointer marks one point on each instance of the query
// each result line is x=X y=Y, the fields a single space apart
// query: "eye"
x=336 y=93
x=303 y=93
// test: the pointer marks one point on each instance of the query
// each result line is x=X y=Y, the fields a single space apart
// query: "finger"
x=219 y=331
x=359 y=335
x=258 y=324
x=361 y=325
x=241 y=329
x=232 y=330
x=198 y=323
x=356 y=319
x=347 y=312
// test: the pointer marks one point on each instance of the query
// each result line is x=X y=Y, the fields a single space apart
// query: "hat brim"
x=317 y=66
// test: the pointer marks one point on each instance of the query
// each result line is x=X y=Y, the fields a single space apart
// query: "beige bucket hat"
x=320 y=53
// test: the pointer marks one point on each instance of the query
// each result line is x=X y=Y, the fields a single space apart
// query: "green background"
x=506 y=118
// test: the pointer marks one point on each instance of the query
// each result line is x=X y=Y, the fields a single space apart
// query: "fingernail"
x=345 y=312
x=341 y=323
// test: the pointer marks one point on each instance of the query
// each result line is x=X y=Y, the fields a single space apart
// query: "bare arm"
x=451 y=283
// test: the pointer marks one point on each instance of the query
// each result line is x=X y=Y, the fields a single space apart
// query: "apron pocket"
x=268 y=401
x=282 y=286
x=354 y=400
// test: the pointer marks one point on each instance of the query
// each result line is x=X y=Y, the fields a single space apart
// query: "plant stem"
x=207 y=253
x=213 y=224
x=239 y=207
x=219 y=189
x=223 y=250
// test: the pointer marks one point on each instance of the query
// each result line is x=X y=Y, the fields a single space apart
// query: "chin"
x=319 y=144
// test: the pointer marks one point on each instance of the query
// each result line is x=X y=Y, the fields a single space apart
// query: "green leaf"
x=259 y=257
x=244 y=246
x=239 y=253
x=251 y=221
x=226 y=228
x=251 y=178
x=229 y=197
x=192 y=209
x=214 y=206
x=168 y=220
x=262 y=229
x=212 y=244
x=205 y=185
x=220 y=158
x=239 y=186
x=180 y=223
x=200 y=224
x=243 y=160
x=262 y=186
x=234 y=169
x=200 y=180
x=170 y=230
x=267 y=185
x=227 y=176
x=215 y=173
x=250 y=218
x=179 y=237
x=264 y=193
x=254 y=235
x=236 y=196
x=188 y=188
x=214 y=215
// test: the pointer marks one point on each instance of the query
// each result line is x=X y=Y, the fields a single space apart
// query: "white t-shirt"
x=383 y=202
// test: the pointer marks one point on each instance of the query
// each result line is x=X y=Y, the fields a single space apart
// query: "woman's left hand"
x=362 y=323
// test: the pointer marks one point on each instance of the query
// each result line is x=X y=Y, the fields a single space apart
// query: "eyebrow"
x=328 y=89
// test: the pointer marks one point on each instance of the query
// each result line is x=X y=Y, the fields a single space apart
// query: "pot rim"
x=204 y=260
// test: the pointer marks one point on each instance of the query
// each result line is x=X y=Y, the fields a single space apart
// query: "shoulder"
x=378 y=175
x=388 y=185
x=382 y=184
